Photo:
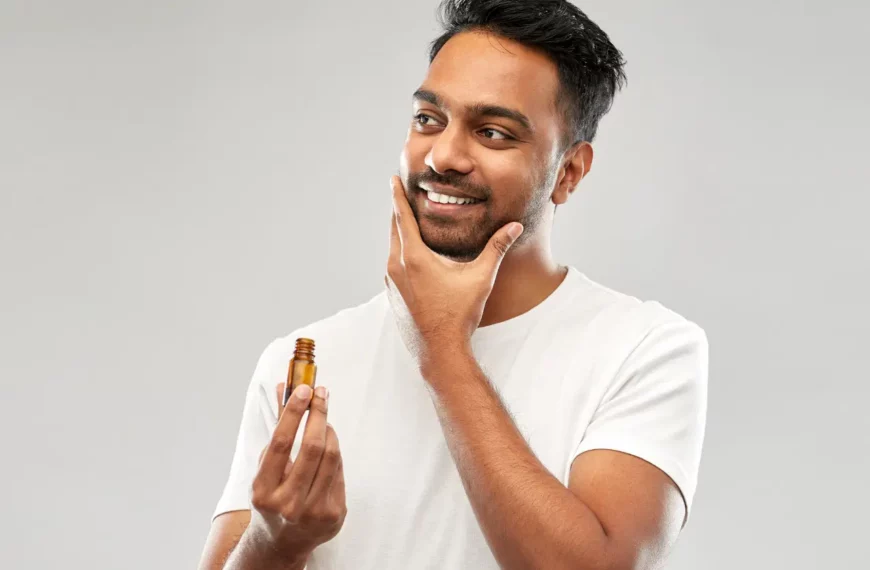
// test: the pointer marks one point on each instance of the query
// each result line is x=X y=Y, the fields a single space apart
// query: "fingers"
x=301 y=476
x=395 y=241
x=328 y=468
x=337 y=489
x=280 y=395
x=499 y=244
x=394 y=261
x=406 y=225
x=278 y=452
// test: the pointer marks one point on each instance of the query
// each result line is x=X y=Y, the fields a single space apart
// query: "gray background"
x=169 y=171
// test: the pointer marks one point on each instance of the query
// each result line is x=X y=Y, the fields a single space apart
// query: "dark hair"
x=590 y=67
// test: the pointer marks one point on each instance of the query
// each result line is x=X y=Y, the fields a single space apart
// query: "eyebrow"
x=478 y=109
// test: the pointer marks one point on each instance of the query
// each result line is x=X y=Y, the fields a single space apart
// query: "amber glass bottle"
x=302 y=369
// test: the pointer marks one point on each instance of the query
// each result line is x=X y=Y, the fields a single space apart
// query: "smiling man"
x=496 y=409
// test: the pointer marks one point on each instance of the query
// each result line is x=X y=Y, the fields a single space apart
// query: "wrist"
x=262 y=547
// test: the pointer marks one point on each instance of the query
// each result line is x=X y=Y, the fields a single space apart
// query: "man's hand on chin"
x=438 y=302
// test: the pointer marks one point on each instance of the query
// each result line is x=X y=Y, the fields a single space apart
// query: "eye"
x=496 y=135
x=421 y=118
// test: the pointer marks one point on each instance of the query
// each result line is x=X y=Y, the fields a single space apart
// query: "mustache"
x=457 y=181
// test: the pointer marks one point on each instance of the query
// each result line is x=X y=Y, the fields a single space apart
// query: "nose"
x=449 y=152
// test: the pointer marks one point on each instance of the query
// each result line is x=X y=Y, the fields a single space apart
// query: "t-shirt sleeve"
x=259 y=417
x=657 y=405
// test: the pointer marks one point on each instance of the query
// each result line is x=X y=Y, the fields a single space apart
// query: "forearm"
x=529 y=518
x=253 y=552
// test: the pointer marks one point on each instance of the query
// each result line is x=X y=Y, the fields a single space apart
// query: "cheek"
x=510 y=178
x=403 y=165
x=413 y=156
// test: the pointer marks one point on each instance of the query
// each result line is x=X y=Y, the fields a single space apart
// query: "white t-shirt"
x=609 y=372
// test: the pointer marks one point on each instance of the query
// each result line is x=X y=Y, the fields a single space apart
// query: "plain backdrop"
x=184 y=181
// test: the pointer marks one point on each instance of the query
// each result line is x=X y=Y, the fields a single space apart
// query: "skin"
x=448 y=275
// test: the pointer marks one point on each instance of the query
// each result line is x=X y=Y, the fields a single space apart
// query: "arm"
x=618 y=511
x=223 y=537
x=233 y=545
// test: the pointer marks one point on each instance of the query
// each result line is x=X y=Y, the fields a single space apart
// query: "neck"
x=528 y=274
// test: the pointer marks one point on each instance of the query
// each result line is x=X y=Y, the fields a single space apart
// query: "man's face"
x=485 y=127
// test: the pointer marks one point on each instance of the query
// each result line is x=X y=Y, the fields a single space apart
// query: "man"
x=496 y=409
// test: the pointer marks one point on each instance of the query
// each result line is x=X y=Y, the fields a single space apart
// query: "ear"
x=575 y=165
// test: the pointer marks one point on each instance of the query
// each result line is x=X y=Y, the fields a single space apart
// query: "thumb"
x=500 y=243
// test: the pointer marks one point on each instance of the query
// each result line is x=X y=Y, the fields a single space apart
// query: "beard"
x=463 y=239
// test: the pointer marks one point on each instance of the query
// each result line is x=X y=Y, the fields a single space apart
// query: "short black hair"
x=591 y=69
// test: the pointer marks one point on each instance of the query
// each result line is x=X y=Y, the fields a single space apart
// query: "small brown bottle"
x=302 y=369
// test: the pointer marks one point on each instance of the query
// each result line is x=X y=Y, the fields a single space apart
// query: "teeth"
x=445 y=199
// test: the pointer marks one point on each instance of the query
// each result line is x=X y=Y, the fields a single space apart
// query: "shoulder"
x=620 y=322
x=336 y=333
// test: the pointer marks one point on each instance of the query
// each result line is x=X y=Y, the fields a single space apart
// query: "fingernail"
x=322 y=392
x=303 y=392
x=515 y=230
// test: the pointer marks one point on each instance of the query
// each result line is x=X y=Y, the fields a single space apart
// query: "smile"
x=445 y=199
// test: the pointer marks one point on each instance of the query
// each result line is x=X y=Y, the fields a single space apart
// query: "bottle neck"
x=304 y=350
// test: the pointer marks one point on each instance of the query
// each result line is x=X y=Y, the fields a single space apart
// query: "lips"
x=447 y=191
x=448 y=199
x=429 y=207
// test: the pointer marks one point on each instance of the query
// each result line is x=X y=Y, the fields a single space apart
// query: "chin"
x=457 y=250
x=453 y=241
